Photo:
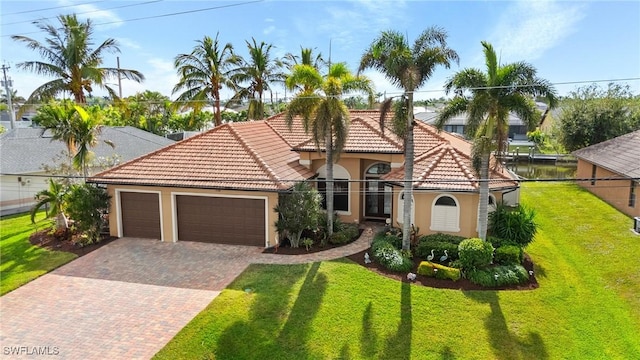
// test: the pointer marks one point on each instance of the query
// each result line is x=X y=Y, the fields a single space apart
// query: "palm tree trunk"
x=329 y=185
x=408 y=176
x=483 y=209
x=218 y=116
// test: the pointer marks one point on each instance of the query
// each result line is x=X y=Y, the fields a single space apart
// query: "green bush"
x=475 y=253
x=352 y=231
x=428 y=268
x=392 y=236
x=509 y=255
x=339 y=238
x=515 y=225
x=424 y=249
x=390 y=257
x=440 y=237
x=87 y=205
x=506 y=275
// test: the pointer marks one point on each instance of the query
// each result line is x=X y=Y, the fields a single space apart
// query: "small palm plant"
x=55 y=199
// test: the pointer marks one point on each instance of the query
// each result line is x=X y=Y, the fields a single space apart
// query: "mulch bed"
x=462 y=284
x=47 y=241
x=288 y=250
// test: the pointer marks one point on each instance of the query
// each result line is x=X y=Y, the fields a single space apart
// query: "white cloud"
x=109 y=18
x=129 y=43
x=529 y=28
x=268 y=30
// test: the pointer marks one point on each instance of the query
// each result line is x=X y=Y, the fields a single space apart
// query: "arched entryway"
x=377 y=195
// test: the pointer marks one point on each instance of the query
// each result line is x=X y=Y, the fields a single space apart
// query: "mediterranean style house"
x=221 y=186
x=613 y=170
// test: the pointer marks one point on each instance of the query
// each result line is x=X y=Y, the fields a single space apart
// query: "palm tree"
x=258 y=72
x=487 y=98
x=409 y=68
x=324 y=113
x=203 y=73
x=73 y=125
x=54 y=197
x=70 y=58
x=305 y=58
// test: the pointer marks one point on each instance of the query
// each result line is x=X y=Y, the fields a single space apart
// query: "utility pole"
x=7 y=88
x=119 y=79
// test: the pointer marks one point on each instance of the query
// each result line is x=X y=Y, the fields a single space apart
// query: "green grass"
x=20 y=262
x=587 y=306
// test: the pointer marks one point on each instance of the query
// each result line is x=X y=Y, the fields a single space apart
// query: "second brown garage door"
x=222 y=220
x=140 y=215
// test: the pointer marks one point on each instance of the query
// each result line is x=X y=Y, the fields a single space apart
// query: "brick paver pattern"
x=127 y=299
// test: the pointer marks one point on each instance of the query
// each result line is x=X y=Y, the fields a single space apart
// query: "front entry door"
x=377 y=199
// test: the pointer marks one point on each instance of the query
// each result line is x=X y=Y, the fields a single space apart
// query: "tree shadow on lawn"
x=398 y=346
x=505 y=343
x=271 y=333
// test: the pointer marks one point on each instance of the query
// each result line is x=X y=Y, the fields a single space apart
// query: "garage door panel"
x=222 y=220
x=140 y=215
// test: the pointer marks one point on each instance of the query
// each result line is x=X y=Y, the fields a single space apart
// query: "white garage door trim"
x=174 y=210
x=119 y=208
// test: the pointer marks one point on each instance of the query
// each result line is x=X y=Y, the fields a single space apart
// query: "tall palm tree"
x=87 y=127
x=305 y=58
x=487 y=98
x=203 y=73
x=70 y=58
x=324 y=114
x=258 y=72
x=408 y=68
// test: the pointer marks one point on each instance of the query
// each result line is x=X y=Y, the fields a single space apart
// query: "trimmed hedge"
x=440 y=237
x=428 y=268
x=390 y=257
x=345 y=234
x=424 y=249
x=509 y=255
x=507 y=275
x=475 y=253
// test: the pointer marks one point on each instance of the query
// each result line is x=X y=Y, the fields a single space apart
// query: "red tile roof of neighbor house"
x=257 y=155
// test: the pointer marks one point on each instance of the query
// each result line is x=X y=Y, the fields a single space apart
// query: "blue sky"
x=569 y=41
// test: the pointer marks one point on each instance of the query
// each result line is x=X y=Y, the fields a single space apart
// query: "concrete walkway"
x=127 y=299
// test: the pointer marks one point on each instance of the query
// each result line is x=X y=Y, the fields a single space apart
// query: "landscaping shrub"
x=424 y=249
x=507 y=275
x=87 y=205
x=427 y=268
x=475 y=253
x=509 y=255
x=440 y=237
x=298 y=211
x=498 y=242
x=392 y=236
x=516 y=225
x=339 y=238
x=352 y=231
x=390 y=257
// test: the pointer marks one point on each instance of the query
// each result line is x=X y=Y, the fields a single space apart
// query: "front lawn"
x=587 y=264
x=21 y=262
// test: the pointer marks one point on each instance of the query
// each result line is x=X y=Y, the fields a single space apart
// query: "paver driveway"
x=125 y=300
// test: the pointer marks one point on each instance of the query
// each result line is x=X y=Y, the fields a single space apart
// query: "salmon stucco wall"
x=614 y=192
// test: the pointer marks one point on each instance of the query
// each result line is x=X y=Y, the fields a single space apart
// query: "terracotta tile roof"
x=365 y=136
x=258 y=156
x=620 y=155
x=240 y=156
x=445 y=167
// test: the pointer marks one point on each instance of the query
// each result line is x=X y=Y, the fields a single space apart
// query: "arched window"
x=341 y=187
x=399 y=216
x=379 y=169
x=445 y=214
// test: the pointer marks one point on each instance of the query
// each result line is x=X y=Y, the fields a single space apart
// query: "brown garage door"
x=140 y=215
x=221 y=220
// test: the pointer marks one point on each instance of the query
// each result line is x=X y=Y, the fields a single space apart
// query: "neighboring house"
x=25 y=152
x=517 y=128
x=618 y=158
x=221 y=186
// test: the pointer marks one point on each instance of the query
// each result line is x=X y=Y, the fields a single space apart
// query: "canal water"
x=544 y=171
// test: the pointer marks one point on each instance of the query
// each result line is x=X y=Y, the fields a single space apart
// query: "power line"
x=86 y=12
x=52 y=8
x=159 y=16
